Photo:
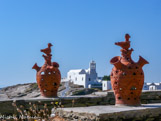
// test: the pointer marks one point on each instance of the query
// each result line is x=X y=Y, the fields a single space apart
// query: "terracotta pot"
x=48 y=76
x=127 y=77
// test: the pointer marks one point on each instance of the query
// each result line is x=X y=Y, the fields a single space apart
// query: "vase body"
x=48 y=77
x=127 y=76
x=48 y=81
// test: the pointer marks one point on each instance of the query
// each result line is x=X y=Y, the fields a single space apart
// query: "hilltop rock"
x=31 y=90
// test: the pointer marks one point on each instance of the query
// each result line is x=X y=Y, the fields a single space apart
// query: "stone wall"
x=79 y=101
x=151 y=114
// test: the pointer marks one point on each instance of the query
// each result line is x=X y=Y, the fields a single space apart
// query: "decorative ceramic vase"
x=48 y=76
x=127 y=77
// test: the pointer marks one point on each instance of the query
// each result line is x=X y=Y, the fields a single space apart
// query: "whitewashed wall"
x=106 y=85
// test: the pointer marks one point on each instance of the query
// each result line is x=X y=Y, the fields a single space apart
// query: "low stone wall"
x=79 y=101
x=147 y=114
x=151 y=97
x=135 y=115
x=7 y=108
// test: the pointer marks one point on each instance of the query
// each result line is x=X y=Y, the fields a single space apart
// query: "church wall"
x=77 y=78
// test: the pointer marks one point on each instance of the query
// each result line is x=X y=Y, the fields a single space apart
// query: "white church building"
x=83 y=77
x=152 y=86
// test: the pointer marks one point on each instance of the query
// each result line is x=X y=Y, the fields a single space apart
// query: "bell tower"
x=92 y=67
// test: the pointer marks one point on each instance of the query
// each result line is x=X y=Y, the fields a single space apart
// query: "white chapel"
x=84 y=77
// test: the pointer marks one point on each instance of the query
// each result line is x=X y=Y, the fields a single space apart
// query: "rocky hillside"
x=31 y=90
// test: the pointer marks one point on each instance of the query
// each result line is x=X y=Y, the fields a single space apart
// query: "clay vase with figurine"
x=48 y=76
x=127 y=76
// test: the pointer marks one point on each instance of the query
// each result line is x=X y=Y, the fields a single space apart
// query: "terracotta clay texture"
x=48 y=76
x=127 y=77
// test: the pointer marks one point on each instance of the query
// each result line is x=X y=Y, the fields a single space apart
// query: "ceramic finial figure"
x=127 y=77
x=48 y=76
x=126 y=44
x=47 y=51
x=127 y=37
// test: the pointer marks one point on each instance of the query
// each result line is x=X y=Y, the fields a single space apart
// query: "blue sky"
x=80 y=30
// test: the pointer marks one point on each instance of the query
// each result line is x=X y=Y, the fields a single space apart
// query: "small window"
x=82 y=78
x=76 y=78
x=70 y=77
x=89 y=79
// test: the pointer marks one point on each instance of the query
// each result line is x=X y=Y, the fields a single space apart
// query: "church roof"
x=77 y=71
x=153 y=83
